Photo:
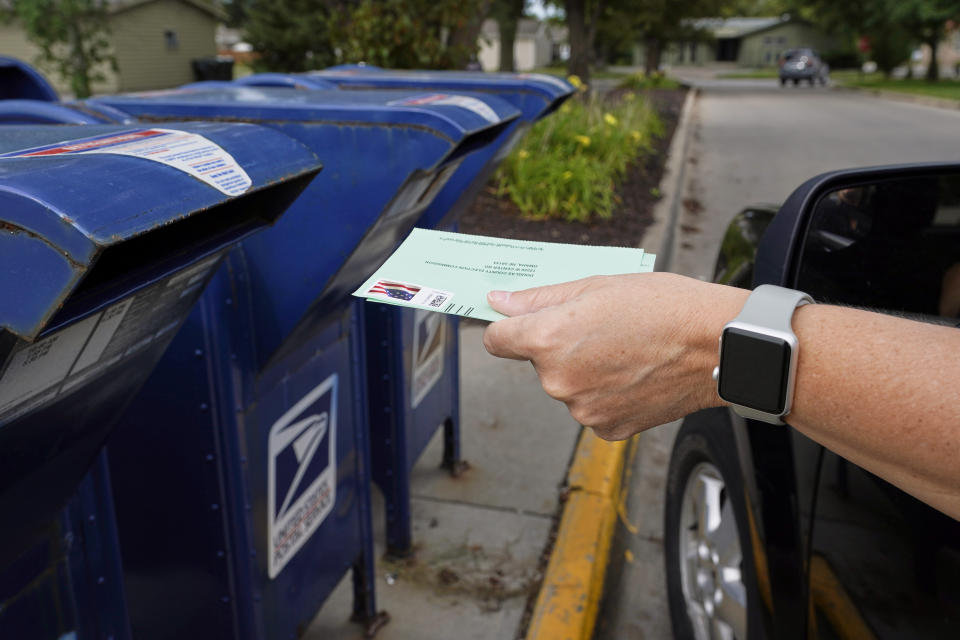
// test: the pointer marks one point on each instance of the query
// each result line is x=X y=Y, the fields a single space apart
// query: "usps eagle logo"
x=395 y=290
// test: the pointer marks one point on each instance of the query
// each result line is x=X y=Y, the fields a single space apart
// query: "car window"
x=894 y=246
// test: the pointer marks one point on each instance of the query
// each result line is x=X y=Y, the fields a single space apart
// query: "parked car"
x=767 y=534
x=803 y=64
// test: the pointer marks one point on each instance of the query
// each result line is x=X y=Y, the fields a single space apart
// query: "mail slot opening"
x=170 y=247
x=478 y=140
x=15 y=82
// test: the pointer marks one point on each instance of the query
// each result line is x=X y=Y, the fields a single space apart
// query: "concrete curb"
x=665 y=213
x=909 y=98
x=569 y=598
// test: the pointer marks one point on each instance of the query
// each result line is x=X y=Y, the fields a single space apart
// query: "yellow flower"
x=629 y=96
x=584 y=140
x=565 y=108
x=610 y=119
x=567 y=175
x=636 y=135
x=523 y=153
x=575 y=81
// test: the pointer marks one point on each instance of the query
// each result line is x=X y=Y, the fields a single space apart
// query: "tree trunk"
x=651 y=61
x=465 y=38
x=512 y=10
x=933 y=69
x=579 y=63
x=80 y=76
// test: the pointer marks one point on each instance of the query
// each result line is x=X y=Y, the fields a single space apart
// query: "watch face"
x=754 y=369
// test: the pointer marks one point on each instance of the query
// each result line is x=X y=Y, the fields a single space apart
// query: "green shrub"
x=641 y=82
x=569 y=163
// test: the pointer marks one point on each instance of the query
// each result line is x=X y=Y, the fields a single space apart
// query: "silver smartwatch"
x=758 y=355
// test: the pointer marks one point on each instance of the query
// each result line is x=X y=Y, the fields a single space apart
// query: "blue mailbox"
x=20 y=80
x=260 y=404
x=99 y=265
x=422 y=358
x=29 y=111
x=415 y=369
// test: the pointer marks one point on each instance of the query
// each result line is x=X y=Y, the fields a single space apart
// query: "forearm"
x=881 y=391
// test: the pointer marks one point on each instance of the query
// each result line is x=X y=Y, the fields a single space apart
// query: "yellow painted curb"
x=569 y=598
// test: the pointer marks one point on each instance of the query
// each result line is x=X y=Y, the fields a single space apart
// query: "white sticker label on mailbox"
x=429 y=335
x=474 y=105
x=301 y=472
x=189 y=152
x=37 y=373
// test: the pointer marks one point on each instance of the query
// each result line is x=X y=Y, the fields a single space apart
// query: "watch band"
x=770 y=307
x=773 y=307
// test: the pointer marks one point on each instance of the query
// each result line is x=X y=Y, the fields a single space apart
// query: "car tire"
x=711 y=581
x=796 y=81
x=783 y=82
x=812 y=81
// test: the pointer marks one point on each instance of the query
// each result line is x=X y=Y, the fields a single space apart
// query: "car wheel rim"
x=710 y=558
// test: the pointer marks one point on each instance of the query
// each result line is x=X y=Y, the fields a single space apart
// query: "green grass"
x=948 y=88
x=568 y=165
x=753 y=73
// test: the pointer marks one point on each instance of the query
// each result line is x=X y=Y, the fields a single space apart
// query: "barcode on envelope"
x=436 y=300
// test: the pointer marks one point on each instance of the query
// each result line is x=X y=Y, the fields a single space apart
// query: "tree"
x=297 y=35
x=429 y=34
x=875 y=20
x=73 y=39
x=507 y=13
x=293 y=35
x=656 y=23
x=925 y=20
x=583 y=16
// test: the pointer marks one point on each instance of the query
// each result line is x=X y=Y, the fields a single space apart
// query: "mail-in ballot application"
x=452 y=272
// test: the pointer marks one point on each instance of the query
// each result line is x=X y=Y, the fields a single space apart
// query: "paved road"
x=755 y=142
x=751 y=141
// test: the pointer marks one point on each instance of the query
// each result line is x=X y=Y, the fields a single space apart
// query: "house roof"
x=214 y=10
x=737 y=27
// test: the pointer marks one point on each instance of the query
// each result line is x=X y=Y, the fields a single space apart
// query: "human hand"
x=624 y=353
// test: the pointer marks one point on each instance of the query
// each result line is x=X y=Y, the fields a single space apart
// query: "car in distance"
x=803 y=64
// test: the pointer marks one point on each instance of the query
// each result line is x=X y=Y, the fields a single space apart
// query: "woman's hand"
x=624 y=353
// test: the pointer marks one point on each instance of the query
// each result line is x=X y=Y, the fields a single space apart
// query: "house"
x=749 y=42
x=537 y=44
x=153 y=41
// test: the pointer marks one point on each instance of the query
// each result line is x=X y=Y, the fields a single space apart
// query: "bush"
x=568 y=164
x=641 y=82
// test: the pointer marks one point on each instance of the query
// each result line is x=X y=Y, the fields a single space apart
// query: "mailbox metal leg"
x=452 y=459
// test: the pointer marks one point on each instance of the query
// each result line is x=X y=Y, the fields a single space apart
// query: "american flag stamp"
x=412 y=294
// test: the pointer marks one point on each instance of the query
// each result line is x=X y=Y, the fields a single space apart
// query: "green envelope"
x=453 y=272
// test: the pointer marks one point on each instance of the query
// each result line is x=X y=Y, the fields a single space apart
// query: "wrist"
x=720 y=304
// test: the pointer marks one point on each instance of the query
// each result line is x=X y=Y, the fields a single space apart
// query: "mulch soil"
x=491 y=215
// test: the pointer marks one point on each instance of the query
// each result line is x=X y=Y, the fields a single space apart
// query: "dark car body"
x=803 y=64
x=829 y=549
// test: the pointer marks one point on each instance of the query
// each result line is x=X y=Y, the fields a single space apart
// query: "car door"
x=881 y=563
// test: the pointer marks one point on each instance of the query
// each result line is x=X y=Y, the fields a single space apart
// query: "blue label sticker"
x=301 y=472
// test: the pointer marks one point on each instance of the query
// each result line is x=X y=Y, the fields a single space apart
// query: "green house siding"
x=154 y=43
x=761 y=49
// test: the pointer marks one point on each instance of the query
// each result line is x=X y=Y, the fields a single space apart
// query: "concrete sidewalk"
x=479 y=537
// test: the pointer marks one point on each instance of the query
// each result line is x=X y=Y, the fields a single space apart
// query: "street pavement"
x=479 y=536
x=750 y=142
